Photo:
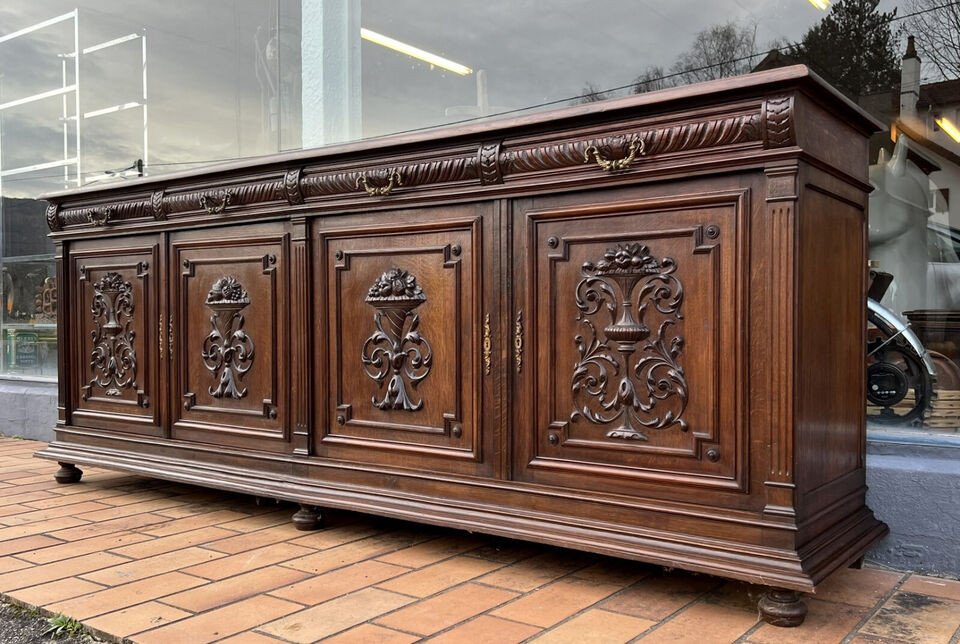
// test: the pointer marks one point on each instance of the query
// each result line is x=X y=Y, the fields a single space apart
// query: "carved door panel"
x=627 y=343
x=115 y=340
x=403 y=313
x=229 y=310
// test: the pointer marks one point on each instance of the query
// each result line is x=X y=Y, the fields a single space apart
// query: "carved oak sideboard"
x=633 y=327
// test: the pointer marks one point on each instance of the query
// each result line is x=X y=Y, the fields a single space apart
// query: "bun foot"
x=782 y=608
x=68 y=473
x=308 y=517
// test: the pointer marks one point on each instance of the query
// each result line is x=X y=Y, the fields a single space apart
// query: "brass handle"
x=160 y=335
x=393 y=180
x=170 y=337
x=518 y=341
x=487 y=346
x=99 y=216
x=635 y=148
x=210 y=201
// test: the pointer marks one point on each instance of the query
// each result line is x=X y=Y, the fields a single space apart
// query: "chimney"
x=909 y=81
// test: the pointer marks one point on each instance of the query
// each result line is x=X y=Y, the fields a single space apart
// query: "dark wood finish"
x=782 y=607
x=68 y=473
x=633 y=328
x=308 y=517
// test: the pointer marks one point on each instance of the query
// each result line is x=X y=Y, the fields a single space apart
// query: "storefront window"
x=92 y=91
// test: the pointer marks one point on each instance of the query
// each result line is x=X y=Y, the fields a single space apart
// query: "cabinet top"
x=745 y=121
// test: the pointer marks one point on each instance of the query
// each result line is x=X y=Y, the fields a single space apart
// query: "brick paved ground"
x=159 y=562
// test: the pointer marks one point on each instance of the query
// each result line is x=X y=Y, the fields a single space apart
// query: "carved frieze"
x=396 y=348
x=228 y=351
x=778 y=130
x=627 y=374
x=113 y=359
x=772 y=124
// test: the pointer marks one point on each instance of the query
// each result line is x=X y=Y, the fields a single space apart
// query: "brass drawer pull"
x=160 y=336
x=487 y=346
x=393 y=180
x=518 y=341
x=635 y=148
x=210 y=201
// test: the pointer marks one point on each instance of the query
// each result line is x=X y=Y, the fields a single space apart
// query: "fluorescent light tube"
x=415 y=52
x=949 y=128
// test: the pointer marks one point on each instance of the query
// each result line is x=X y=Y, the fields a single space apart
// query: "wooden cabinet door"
x=115 y=341
x=629 y=348
x=403 y=315
x=229 y=314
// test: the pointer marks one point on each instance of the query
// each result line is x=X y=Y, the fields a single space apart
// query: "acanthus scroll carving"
x=113 y=359
x=228 y=350
x=624 y=373
x=778 y=122
x=396 y=349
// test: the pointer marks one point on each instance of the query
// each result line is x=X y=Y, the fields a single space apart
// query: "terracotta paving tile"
x=596 y=626
x=332 y=537
x=55 y=591
x=159 y=545
x=911 y=617
x=534 y=572
x=260 y=521
x=117 y=511
x=334 y=616
x=318 y=589
x=371 y=634
x=429 y=552
x=704 y=622
x=944 y=588
x=20 y=496
x=433 y=579
x=864 y=587
x=29 y=478
x=231 y=565
x=353 y=552
x=9 y=564
x=13 y=510
x=222 y=622
x=15 y=491
x=825 y=622
x=442 y=611
x=233 y=543
x=47 y=527
x=82 y=547
x=134 y=619
x=122 y=498
x=100 y=496
x=120 y=597
x=90 y=530
x=250 y=637
x=737 y=594
x=25 y=544
x=556 y=602
x=659 y=596
x=58 y=570
x=143 y=568
x=175 y=526
x=616 y=571
x=183 y=511
x=8 y=474
x=71 y=509
x=506 y=551
x=487 y=630
x=219 y=593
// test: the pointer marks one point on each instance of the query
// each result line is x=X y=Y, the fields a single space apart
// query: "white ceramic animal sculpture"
x=899 y=208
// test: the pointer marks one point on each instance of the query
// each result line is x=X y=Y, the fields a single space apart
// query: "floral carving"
x=623 y=374
x=113 y=359
x=396 y=349
x=228 y=350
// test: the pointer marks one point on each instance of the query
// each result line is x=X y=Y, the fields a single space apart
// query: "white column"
x=330 y=63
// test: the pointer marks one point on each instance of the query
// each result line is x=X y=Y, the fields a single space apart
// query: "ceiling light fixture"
x=822 y=5
x=415 y=52
x=948 y=127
